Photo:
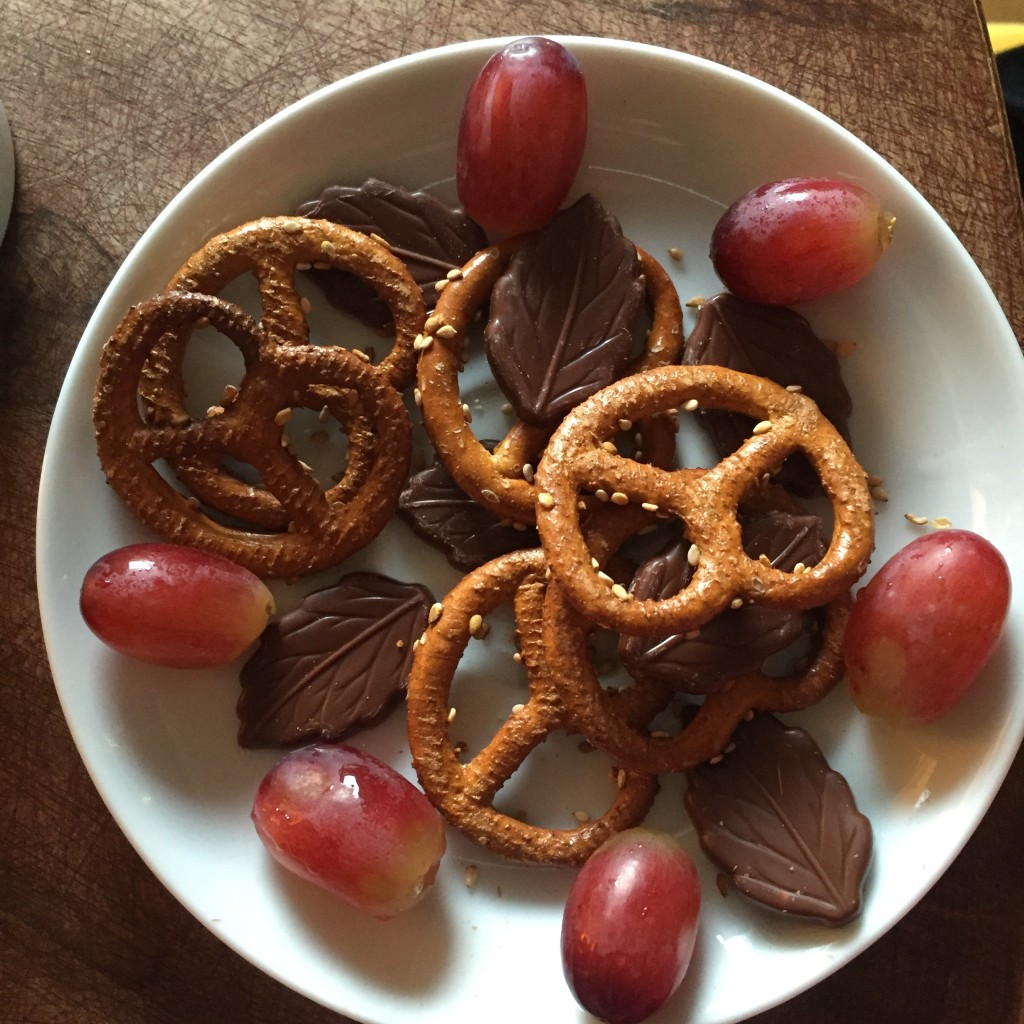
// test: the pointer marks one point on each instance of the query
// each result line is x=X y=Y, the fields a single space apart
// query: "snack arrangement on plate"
x=725 y=590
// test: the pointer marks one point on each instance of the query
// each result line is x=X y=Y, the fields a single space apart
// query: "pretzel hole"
x=213 y=369
x=487 y=685
x=563 y=783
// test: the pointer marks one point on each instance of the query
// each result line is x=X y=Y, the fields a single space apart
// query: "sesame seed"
x=399 y=644
x=417 y=396
x=546 y=500
x=799 y=568
x=717 y=759
x=621 y=592
x=215 y=410
x=941 y=523
x=528 y=472
x=470 y=875
x=305 y=305
x=516 y=708
x=435 y=612
x=446 y=331
x=488 y=495
x=620 y=778
x=693 y=555
x=625 y=425
x=675 y=253
x=691 y=405
x=736 y=602
x=618 y=498
x=879 y=494
x=422 y=342
x=282 y=416
x=762 y=428
x=476 y=622
x=794 y=388
x=467 y=413
x=601 y=494
x=291 y=227
x=506 y=408
x=451 y=714
x=328 y=248
x=604 y=577
x=454 y=274
x=609 y=446
x=439 y=286
x=696 y=302
x=380 y=240
x=916 y=520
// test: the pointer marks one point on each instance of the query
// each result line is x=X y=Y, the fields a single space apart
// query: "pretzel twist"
x=465 y=792
x=706 y=501
x=273 y=250
x=494 y=479
x=323 y=526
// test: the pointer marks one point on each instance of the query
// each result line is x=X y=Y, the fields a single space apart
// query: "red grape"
x=924 y=626
x=521 y=136
x=348 y=822
x=171 y=605
x=630 y=924
x=800 y=239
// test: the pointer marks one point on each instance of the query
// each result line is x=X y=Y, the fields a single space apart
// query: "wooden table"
x=114 y=108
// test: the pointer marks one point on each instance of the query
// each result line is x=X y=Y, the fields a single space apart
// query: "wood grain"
x=114 y=107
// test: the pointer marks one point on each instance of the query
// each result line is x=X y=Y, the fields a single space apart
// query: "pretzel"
x=705 y=500
x=323 y=527
x=464 y=793
x=494 y=479
x=707 y=734
x=272 y=249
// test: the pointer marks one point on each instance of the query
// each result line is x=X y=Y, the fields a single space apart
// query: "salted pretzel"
x=704 y=736
x=705 y=500
x=465 y=792
x=495 y=479
x=273 y=250
x=324 y=526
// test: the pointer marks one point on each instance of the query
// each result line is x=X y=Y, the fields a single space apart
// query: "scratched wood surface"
x=114 y=107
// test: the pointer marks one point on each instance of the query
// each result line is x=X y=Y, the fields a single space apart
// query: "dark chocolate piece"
x=782 y=824
x=334 y=664
x=773 y=342
x=740 y=639
x=562 y=315
x=429 y=237
x=443 y=514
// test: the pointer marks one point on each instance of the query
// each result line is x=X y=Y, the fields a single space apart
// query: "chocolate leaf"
x=739 y=639
x=561 y=316
x=444 y=515
x=773 y=342
x=429 y=237
x=784 y=825
x=332 y=665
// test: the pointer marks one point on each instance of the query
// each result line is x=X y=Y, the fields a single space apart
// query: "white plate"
x=937 y=379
